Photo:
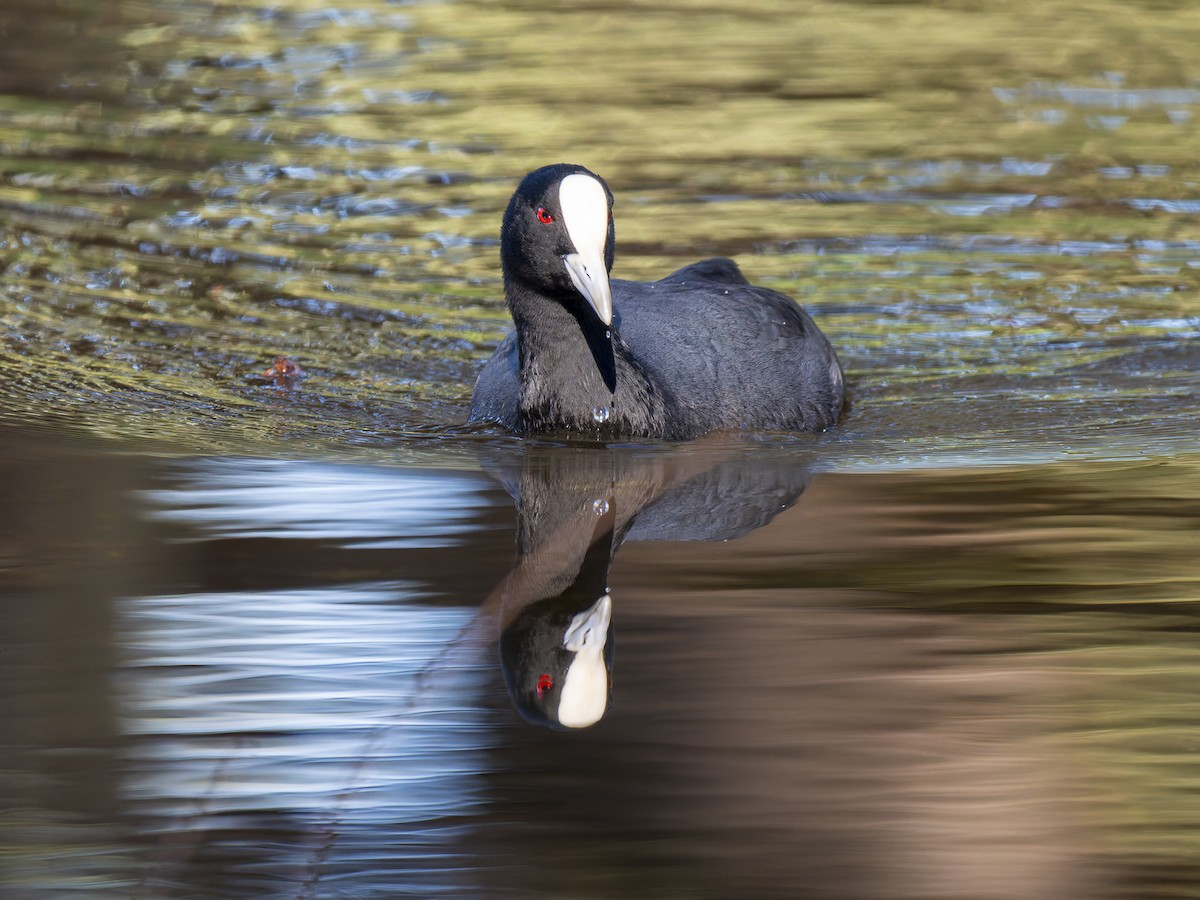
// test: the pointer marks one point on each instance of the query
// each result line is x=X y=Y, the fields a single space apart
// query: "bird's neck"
x=562 y=388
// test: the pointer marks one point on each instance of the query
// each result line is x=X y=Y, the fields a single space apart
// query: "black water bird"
x=697 y=351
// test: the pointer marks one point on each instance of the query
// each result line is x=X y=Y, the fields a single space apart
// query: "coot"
x=697 y=351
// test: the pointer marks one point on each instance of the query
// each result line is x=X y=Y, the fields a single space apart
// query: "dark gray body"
x=718 y=352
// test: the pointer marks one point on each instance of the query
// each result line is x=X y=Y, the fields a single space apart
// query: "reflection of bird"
x=576 y=505
x=556 y=652
x=699 y=350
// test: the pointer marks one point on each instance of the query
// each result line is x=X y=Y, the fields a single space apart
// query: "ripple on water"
x=285 y=201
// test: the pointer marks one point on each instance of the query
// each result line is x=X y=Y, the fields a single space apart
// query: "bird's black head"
x=557 y=241
x=557 y=661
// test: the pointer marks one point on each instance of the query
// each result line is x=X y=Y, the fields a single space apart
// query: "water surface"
x=251 y=620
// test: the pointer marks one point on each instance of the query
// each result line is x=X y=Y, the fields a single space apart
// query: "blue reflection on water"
x=343 y=726
x=359 y=506
x=337 y=726
x=293 y=698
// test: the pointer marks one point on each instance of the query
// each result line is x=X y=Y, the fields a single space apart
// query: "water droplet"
x=600 y=414
x=600 y=507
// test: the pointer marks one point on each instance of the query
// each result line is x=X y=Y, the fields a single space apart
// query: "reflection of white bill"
x=584 y=696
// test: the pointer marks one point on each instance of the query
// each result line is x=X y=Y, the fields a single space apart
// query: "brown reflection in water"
x=70 y=547
x=773 y=740
x=878 y=694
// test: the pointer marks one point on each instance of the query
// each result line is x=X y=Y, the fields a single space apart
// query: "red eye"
x=544 y=215
x=544 y=681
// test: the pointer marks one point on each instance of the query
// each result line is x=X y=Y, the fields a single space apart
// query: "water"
x=259 y=579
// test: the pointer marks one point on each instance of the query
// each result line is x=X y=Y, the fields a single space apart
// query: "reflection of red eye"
x=544 y=216
x=544 y=684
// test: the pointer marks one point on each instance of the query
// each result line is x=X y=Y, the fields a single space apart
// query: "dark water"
x=253 y=626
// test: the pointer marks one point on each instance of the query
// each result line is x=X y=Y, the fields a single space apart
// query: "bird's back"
x=731 y=354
